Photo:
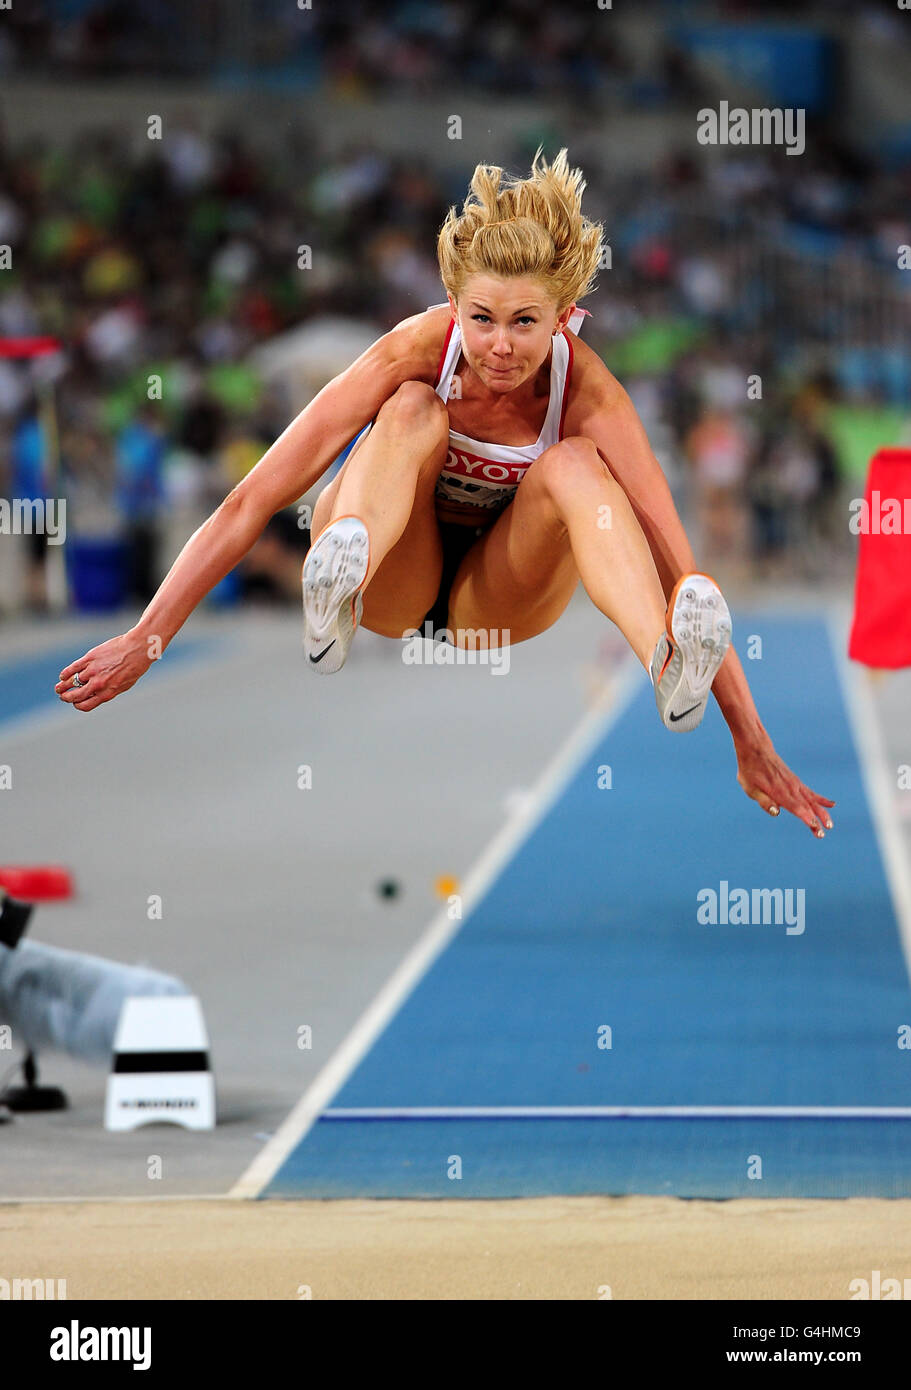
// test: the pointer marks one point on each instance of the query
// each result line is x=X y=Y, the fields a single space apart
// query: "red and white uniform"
x=480 y=478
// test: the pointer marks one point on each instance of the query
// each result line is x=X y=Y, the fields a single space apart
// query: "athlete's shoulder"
x=416 y=343
x=592 y=385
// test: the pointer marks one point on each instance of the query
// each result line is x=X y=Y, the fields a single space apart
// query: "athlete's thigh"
x=520 y=575
x=406 y=581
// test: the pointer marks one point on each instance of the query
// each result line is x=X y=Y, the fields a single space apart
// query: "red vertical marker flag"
x=881 y=629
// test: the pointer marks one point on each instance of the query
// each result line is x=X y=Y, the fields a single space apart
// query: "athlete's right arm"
x=287 y=470
x=312 y=441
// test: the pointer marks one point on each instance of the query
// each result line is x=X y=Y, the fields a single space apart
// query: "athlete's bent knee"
x=564 y=464
x=415 y=405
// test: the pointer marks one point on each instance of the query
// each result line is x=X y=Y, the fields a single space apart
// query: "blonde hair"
x=529 y=227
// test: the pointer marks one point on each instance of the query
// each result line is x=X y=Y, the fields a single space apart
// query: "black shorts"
x=456 y=541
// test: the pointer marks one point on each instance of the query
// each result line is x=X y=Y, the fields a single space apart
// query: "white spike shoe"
x=332 y=576
x=689 y=654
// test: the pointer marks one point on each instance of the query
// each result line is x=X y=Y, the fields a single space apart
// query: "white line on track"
x=872 y=758
x=553 y=781
x=622 y=1112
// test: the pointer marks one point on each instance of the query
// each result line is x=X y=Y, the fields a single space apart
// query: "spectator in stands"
x=140 y=497
x=719 y=449
x=29 y=481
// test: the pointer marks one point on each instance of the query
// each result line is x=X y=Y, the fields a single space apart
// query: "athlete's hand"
x=104 y=671
x=769 y=780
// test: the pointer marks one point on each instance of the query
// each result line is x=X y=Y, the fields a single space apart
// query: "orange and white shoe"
x=689 y=653
x=332 y=578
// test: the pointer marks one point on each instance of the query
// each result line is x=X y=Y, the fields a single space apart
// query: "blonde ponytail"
x=530 y=227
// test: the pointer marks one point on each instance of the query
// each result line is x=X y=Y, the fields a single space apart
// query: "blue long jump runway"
x=27 y=682
x=593 y=925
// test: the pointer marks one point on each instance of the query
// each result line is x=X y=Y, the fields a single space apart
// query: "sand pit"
x=542 y=1248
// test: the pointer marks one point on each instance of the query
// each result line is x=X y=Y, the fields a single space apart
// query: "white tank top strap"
x=577 y=318
x=559 y=364
x=451 y=351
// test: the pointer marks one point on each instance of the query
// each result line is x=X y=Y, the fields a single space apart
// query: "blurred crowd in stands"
x=161 y=271
x=516 y=47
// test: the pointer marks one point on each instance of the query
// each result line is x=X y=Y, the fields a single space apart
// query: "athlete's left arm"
x=600 y=409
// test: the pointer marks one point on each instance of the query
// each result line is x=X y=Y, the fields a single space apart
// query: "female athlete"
x=497 y=462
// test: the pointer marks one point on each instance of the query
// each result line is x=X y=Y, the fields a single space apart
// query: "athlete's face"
x=507 y=327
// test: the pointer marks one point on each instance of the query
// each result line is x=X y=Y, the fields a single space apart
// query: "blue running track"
x=593 y=925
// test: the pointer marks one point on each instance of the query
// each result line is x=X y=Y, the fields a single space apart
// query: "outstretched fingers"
x=774 y=787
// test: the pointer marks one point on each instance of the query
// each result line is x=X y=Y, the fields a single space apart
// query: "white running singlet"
x=484 y=476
